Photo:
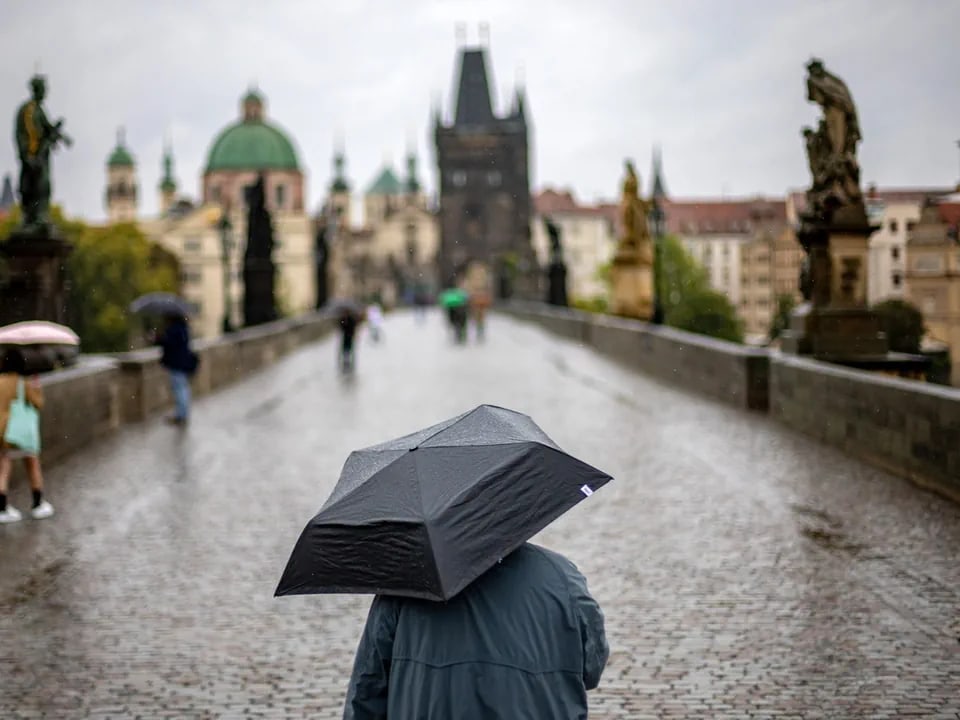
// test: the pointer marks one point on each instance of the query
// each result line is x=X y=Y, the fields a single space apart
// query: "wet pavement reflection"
x=744 y=570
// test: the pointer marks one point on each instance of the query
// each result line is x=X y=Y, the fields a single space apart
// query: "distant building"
x=587 y=238
x=933 y=273
x=896 y=211
x=483 y=177
x=736 y=242
x=393 y=254
x=121 y=193
x=193 y=231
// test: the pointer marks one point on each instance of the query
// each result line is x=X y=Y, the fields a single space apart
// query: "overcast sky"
x=718 y=84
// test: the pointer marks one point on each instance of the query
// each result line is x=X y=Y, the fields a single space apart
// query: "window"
x=897 y=280
x=280 y=192
x=929 y=305
x=895 y=252
x=928 y=263
x=763 y=280
x=215 y=193
x=192 y=244
x=893 y=226
x=911 y=224
x=191 y=275
x=493 y=178
x=458 y=178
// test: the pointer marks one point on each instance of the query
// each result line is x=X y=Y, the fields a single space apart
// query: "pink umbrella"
x=37 y=332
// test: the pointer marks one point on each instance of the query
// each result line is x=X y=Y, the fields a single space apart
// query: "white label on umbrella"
x=586 y=490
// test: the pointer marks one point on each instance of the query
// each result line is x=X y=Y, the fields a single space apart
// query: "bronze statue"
x=36 y=136
x=832 y=147
x=259 y=271
x=557 y=268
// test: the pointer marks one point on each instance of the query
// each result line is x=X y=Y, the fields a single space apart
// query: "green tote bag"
x=23 y=425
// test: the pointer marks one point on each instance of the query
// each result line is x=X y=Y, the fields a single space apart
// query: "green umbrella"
x=453 y=297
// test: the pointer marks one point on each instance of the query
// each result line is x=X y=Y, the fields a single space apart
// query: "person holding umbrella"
x=181 y=363
x=470 y=620
x=14 y=390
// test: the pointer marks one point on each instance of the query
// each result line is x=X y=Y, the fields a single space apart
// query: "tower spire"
x=659 y=188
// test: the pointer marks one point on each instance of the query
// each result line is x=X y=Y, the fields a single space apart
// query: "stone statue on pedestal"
x=631 y=272
x=36 y=137
x=557 y=268
x=259 y=304
x=834 y=323
x=832 y=147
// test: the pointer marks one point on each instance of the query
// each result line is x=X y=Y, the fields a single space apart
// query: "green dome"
x=386 y=184
x=252 y=145
x=120 y=157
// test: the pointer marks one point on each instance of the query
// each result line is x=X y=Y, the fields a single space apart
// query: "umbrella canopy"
x=37 y=332
x=345 y=305
x=453 y=297
x=426 y=514
x=161 y=303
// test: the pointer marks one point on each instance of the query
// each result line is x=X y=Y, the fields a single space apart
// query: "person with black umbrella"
x=470 y=620
x=180 y=362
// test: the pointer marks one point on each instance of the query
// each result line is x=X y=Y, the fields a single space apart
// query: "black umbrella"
x=342 y=306
x=428 y=513
x=161 y=303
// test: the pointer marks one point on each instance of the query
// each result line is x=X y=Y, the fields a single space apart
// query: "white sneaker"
x=10 y=515
x=41 y=511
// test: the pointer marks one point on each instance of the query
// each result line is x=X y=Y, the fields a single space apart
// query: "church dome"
x=120 y=157
x=252 y=143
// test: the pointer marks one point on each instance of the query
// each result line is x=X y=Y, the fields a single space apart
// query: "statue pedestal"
x=835 y=323
x=33 y=284
x=557 y=284
x=631 y=276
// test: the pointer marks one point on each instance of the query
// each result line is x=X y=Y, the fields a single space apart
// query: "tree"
x=903 y=324
x=109 y=267
x=688 y=301
x=781 y=318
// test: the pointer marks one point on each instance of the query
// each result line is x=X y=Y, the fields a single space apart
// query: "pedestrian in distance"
x=375 y=321
x=524 y=640
x=348 y=322
x=17 y=390
x=181 y=363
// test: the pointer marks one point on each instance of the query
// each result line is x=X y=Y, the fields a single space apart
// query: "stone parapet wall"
x=907 y=427
x=102 y=393
x=727 y=371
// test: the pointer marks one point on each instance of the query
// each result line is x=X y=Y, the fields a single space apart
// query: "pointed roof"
x=412 y=184
x=473 y=89
x=7 y=199
x=120 y=157
x=659 y=189
x=168 y=183
x=339 y=184
x=386 y=184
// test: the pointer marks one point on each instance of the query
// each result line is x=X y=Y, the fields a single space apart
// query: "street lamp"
x=226 y=246
x=656 y=223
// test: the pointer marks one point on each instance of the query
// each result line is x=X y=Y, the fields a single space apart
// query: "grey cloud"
x=718 y=84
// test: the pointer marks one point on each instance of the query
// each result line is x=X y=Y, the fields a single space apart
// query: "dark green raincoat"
x=523 y=642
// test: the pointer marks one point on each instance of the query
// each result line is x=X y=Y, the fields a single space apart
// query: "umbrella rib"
x=462 y=417
x=426 y=522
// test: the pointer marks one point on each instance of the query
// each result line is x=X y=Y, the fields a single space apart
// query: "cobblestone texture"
x=745 y=571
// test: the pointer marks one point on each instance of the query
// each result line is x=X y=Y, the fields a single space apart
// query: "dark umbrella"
x=341 y=306
x=161 y=303
x=428 y=513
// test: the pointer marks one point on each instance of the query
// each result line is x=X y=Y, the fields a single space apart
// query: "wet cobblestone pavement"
x=744 y=570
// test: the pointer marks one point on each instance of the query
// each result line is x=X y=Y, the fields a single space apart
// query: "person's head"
x=13 y=361
x=38 y=86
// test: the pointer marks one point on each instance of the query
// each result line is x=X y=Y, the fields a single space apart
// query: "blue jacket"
x=524 y=641
x=177 y=354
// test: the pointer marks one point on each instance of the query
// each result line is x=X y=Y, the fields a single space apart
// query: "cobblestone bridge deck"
x=745 y=571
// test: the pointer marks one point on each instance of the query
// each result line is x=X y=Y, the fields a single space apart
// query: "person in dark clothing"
x=525 y=641
x=180 y=362
x=348 y=330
